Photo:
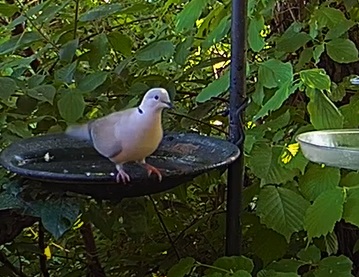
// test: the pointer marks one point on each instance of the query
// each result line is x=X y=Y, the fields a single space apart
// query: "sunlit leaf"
x=323 y=113
x=315 y=78
x=255 y=39
x=121 y=42
x=215 y=88
x=282 y=210
x=100 y=12
x=317 y=179
x=156 y=51
x=188 y=16
x=342 y=50
x=322 y=215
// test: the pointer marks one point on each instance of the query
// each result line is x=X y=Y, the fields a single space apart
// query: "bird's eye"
x=156 y=97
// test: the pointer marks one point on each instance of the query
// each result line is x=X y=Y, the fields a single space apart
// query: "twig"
x=118 y=26
x=36 y=28
x=201 y=122
x=76 y=18
x=93 y=262
x=42 y=256
x=10 y=266
x=193 y=94
x=165 y=227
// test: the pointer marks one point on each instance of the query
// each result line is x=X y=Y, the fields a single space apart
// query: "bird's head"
x=156 y=99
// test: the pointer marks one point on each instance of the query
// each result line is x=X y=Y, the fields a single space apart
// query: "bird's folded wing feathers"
x=103 y=133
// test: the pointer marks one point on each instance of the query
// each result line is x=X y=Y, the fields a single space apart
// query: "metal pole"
x=236 y=128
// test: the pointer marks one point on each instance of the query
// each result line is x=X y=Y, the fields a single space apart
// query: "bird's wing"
x=104 y=132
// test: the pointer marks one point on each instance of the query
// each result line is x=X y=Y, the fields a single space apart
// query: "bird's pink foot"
x=122 y=175
x=151 y=169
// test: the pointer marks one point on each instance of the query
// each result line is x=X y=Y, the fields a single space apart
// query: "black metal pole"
x=236 y=128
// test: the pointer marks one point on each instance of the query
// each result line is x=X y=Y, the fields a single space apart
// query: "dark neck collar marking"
x=139 y=110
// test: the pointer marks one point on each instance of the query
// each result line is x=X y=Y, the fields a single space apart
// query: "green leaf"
x=92 y=81
x=292 y=42
x=317 y=52
x=282 y=210
x=255 y=39
x=182 y=50
x=350 y=180
x=156 y=51
x=322 y=215
x=218 y=33
x=35 y=80
x=240 y=273
x=311 y=254
x=277 y=100
x=286 y=265
x=98 y=49
x=101 y=11
x=315 y=78
x=182 y=268
x=121 y=43
x=351 y=112
x=215 y=88
x=317 y=180
x=188 y=16
x=351 y=207
x=260 y=159
x=19 y=41
x=43 y=93
x=339 y=29
x=269 y=245
x=66 y=73
x=334 y=266
x=329 y=17
x=331 y=243
x=71 y=105
x=274 y=73
x=67 y=51
x=275 y=173
x=49 y=12
x=59 y=216
x=8 y=10
x=342 y=50
x=323 y=113
x=233 y=263
x=7 y=87
x=272 y=273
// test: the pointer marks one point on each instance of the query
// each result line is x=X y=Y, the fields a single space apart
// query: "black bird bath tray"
x=61 y=162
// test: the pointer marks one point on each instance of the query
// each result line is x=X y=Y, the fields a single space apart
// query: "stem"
x=164 y=227
x=93 y=262
x=76 y=18
x=43 y=267
x=36 y=28
x=200 y=121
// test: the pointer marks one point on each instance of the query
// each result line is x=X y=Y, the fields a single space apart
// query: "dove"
x=129 y=135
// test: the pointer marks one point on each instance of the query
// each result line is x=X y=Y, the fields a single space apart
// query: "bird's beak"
x=169 y=104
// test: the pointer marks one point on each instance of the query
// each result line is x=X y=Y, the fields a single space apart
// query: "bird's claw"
x=151 y=169
x=122 y=176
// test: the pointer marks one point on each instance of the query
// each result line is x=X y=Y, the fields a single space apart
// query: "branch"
x=201 y=122
x=76 y=17
x=43 y=266
x=121 y=25
x=165 y=228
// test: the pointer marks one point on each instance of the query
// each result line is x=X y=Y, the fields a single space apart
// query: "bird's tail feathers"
x=81 y=132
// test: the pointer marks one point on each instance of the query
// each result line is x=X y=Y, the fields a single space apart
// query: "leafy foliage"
x=71 y=61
